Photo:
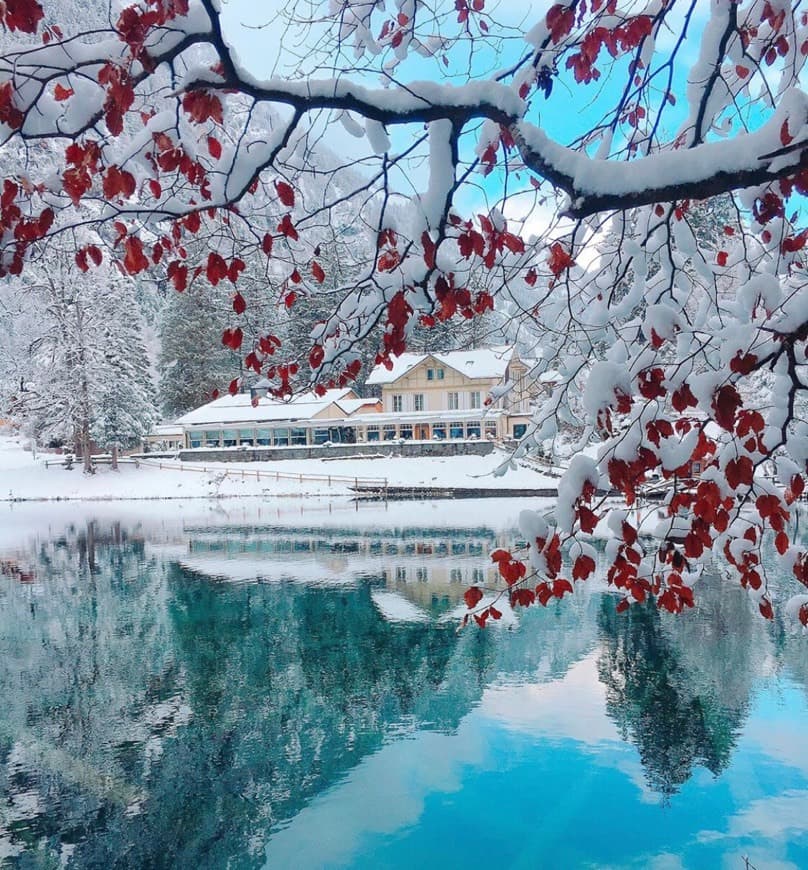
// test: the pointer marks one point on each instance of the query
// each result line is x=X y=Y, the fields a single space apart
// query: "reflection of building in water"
x=431 y=567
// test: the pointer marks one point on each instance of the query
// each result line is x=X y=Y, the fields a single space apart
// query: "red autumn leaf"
x=744 y=363
x=214 y=147
x=232 y=387
x=781 y=542
x=287 y=228
x=588 y=519
x=134 y=261
x=726 y=402
x=286 y=193
x=523 y=597
x=289 y=299
x=683 y=398
x=721 y=258
x=178 y=275
x=785 y=137
x=216 y=268
x=316 y=356
x=81 y=260
x=559 y=259
x=740 y=471
x=239 y=304
x=429 y=250
x=60 y=93
x=317 y=272
x=561 y=586
x=583 y=567
x=500 y=555
x=236 y=267
x=202 y=106
x=473 y=596
x=266 y=244
x=95 y=255
x=495 y=614
x=118 y=182
x=155 y=188
x=388 y=261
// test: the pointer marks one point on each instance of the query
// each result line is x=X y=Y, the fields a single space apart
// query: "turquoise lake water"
x=229 y=687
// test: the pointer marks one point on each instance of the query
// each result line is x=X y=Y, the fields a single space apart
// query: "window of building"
x=281 y=437
x=419 y=401
x=320 y=436
x=439 y=431
x=421 y=575
x=374 y=433
x=478 y=575
x=490 y=429
x=401 y=574
x=453 y=400
x=246 y=436
x=473 y=429
x=456 y=429
x=398 y=404
x=299 y=437
x=213 y=439
x=264 y=437
x=456 y=575
x=405 y=431
x=229 y=438
x=389 y=432
x=476 y=399
x=519 y=430
x=430 y=374
x=696 y=468
x=195 y=440
x=439 y=373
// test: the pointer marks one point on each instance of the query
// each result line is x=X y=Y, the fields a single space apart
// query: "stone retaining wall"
x=375 y=448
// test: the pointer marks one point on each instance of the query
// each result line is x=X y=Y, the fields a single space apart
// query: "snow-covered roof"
x=166 y=429
x=239 y=409
x=482 y=362
x=351 y=406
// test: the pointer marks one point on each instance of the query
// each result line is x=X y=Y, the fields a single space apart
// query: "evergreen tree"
x=123 y=399
x=192 y=362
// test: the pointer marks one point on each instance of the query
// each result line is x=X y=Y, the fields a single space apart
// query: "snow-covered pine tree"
x=192 y=362
x=123 y=390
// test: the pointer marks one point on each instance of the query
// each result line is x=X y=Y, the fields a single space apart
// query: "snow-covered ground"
x=22 y=477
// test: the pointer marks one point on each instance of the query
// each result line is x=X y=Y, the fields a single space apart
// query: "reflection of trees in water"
x=679 y=687
x=85 y=673
x=289 y=688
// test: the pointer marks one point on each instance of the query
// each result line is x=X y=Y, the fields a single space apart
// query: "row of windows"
x=452 y=401
x=436 y=431
x=282 y=437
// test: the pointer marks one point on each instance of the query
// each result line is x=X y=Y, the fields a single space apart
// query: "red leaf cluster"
x=22 y=15
x=120 y=94
x=202 y=106
x=82 y=162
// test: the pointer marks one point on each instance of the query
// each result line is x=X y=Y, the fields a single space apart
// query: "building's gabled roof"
x=483 y=363
x=238 y=409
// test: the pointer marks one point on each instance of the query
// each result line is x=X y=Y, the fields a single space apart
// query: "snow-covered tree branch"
x=568 y=160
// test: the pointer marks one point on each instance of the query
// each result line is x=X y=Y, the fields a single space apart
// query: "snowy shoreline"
x=25 y=479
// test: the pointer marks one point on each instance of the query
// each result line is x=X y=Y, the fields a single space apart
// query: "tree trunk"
x=114 y=463
x=86 y=458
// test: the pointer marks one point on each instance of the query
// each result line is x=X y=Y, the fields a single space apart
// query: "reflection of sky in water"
x=166 y=709
x=538 y=776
